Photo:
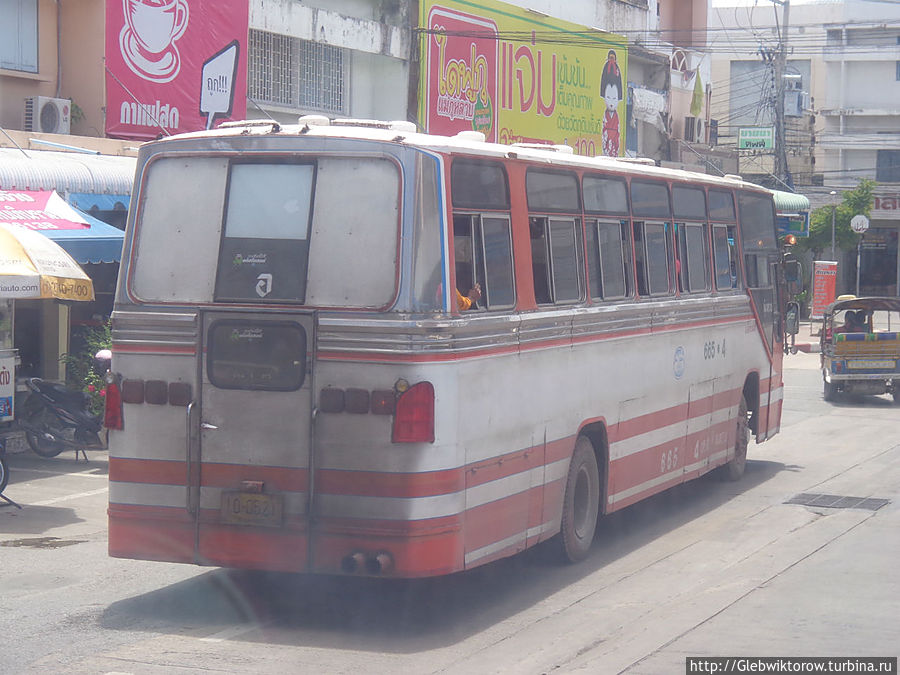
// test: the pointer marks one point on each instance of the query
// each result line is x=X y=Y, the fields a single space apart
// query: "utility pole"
x=781 y=165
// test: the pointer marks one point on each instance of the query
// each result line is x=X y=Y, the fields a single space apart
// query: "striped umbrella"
x=33 y=266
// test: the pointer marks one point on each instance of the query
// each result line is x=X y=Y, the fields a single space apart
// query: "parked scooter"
x=55 y=418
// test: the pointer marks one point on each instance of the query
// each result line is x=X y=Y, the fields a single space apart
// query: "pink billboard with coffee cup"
x=174 y=65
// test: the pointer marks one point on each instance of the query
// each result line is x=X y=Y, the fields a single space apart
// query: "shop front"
x=32 y=269
x=879 y=272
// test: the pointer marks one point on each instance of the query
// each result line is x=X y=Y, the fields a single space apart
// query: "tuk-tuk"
x=860 y=347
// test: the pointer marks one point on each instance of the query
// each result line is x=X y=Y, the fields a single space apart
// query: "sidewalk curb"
x=808 y=348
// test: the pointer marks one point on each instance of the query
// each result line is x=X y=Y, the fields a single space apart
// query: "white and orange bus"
x=295 y=386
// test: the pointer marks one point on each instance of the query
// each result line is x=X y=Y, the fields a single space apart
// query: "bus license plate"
x=860 y=365
x=251 y=508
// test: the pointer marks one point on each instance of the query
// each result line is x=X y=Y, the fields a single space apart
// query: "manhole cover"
x=837 y=501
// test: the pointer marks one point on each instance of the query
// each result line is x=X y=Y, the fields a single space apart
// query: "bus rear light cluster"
x=414 y=418
x=412 y=407
x=155 y=392
x=358 y=401
x=112 y=413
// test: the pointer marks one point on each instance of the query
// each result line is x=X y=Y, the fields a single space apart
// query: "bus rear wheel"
x=4 y=474
x=581 y=504
x=734 y=469
x=829 y=392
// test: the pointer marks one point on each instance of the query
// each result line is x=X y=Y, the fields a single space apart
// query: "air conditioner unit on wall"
x=690 y=128
x=47 y=115
x=694 y=129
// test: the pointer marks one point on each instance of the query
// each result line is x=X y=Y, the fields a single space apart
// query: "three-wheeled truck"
x=860 y=347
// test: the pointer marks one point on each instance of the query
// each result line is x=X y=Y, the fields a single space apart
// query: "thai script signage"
x=756 y=138
x=519 y=77
x=39 y=210
x=174 y=65
x=824 y=285
x=886 y=207
x=7 y=384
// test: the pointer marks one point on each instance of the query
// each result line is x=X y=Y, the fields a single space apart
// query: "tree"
x=853 y=202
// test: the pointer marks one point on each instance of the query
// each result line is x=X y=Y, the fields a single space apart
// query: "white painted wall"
x=376 y=33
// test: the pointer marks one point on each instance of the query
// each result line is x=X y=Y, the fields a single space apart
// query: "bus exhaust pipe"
x=380 y=563
x=353 y=563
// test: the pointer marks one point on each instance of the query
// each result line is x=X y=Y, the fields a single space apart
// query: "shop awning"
x=86 y=201
x=790 y=202
x=100 y=243
x=85 y=238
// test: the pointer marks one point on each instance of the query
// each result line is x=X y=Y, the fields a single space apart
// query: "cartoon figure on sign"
x=147 y=40
x=611 y=91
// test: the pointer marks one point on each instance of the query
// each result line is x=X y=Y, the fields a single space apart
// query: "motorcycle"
x=55 y=418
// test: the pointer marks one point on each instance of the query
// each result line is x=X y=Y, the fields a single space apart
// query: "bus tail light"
x=414 y=416
x=112 y=415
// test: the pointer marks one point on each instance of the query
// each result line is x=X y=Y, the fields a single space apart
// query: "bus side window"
x=482 y=248
x=724 y=257
x=609 y=259
x=692 y=254
x=555 y=260
x=652 y=255
x=757 y=269
x=692 y=267
x=464 y=253
x=640 y=270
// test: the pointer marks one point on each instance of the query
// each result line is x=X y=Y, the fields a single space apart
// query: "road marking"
x=232 y=632
x=57 y=500
x=22 y=469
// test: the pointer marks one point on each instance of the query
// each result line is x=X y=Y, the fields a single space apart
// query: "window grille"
x=296 y=73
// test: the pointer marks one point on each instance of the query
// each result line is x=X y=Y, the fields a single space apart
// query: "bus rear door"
x=249 y=464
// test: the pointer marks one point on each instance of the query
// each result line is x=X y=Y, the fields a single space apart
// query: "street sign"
x=756 y=138
x=859 y=224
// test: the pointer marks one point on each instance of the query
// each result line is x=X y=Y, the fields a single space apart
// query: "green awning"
x=790 y=202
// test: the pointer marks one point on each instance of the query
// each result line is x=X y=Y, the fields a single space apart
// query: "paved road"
x=706 y=569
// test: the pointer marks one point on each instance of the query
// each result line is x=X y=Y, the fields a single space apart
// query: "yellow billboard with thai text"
x=521 y=77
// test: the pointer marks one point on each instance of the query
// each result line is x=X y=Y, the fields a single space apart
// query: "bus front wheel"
x=734 y=469
x=581 y=504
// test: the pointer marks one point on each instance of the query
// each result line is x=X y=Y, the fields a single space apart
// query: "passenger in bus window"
x=467 y=301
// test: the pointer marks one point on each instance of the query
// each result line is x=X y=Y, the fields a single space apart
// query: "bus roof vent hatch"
x=314 y=120
x=474 y=136
x=392 y=125
x=562 y=149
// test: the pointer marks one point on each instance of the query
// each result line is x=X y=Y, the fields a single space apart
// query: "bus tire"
x=4 y=474
x=829 y=392
x=734 y=469
x=581 y=503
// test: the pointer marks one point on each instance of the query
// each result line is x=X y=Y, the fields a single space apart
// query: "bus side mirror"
x=792 y=318
x=793 y=276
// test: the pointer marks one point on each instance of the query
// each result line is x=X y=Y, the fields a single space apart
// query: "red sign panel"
x=462 y=95
x=39 y=211
x=824 y=284
x=174 y=65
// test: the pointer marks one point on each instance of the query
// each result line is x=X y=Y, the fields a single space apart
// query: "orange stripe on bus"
x=379 y=484
x=156 y=471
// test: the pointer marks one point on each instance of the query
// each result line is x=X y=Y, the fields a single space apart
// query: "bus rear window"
x=256 y=355
x=320 y=231
x=265 y=249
